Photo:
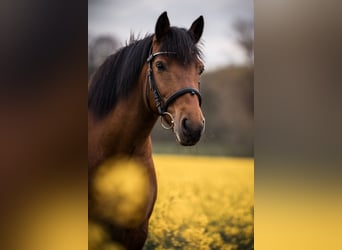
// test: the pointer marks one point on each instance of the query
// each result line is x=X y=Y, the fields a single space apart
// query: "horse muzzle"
x=189 y=132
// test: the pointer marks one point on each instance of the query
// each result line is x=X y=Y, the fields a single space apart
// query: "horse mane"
x=119 y=73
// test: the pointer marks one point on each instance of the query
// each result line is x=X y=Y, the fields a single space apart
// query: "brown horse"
x=155 y=76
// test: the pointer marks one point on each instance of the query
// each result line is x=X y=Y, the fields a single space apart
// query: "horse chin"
x=186 y=141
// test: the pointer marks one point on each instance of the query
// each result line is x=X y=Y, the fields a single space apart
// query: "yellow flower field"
x=203 y=203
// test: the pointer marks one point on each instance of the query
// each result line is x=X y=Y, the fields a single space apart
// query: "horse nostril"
x=190 y=128
x=185 y=124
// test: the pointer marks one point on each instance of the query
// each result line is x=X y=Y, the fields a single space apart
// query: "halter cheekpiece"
x=162 y=105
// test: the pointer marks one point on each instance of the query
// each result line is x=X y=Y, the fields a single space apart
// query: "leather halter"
x=162 y=105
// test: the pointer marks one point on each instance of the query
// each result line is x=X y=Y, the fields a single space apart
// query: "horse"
x=156 y=76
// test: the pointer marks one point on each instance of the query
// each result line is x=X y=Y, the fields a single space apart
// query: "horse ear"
x=162 y=26
x=196 y=29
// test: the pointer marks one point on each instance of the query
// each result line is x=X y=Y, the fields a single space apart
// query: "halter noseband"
x=162 y=105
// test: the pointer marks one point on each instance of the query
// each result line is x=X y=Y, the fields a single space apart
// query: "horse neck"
x=134 y=120
x=125 y=130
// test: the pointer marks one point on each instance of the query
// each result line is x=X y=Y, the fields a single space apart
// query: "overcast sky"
x=120 y=17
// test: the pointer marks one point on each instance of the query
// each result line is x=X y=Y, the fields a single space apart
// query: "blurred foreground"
x=203 y=203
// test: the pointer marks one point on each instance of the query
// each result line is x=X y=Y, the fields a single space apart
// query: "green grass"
x=200 y=149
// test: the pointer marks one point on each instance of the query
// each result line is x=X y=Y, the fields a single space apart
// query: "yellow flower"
x=120 y=191
x=203 y=203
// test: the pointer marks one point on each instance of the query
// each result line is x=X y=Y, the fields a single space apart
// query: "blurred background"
x=298 y=142
x=227 y=84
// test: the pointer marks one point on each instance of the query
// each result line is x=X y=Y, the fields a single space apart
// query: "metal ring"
x=165 y=123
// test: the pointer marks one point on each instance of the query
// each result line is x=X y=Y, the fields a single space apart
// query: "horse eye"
x=201 y=70
x=160 y=66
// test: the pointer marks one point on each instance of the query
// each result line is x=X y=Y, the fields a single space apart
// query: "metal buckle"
x=167 y=124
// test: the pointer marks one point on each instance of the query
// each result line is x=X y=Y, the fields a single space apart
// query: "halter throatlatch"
x=166 y=118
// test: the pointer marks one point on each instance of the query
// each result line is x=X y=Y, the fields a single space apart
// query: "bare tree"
x=245 y=36
x=99 y=49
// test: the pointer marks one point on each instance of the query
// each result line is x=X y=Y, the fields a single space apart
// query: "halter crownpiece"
x=162 y=105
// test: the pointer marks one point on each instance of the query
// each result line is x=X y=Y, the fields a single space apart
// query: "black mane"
x=119 y=73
